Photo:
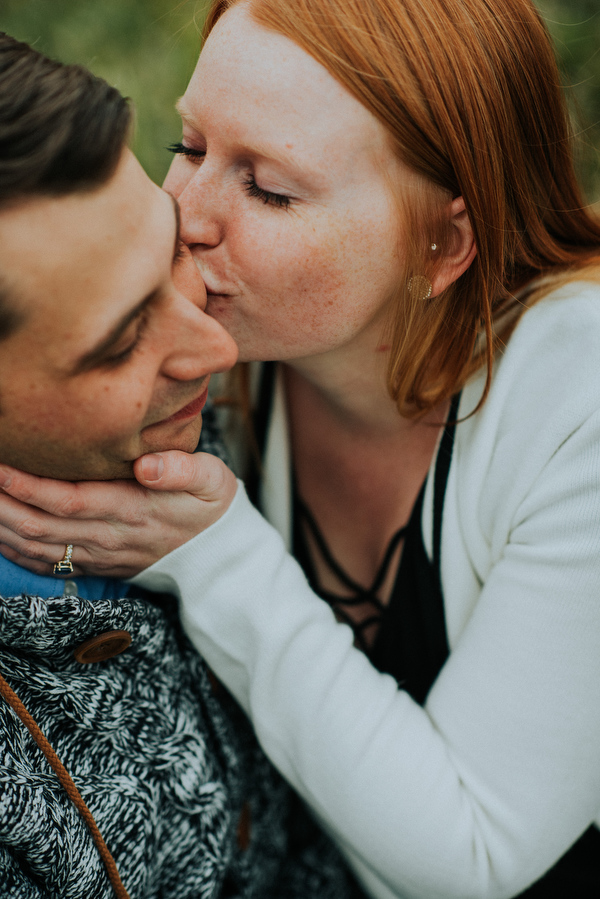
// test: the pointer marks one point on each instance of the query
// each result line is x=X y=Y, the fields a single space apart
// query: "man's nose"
x=187 y=278
x=199 y=344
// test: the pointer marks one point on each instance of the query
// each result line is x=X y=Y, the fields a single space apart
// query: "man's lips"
x=190 y=411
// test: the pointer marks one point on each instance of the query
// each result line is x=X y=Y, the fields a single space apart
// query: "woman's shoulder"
x=551 y=359
x=531 y=452
x=572 y=302
x=568 y=306
x=545 y=388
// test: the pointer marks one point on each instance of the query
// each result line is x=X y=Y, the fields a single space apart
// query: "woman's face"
x=285 y=185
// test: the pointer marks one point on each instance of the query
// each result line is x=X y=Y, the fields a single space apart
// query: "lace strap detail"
x=359 y=595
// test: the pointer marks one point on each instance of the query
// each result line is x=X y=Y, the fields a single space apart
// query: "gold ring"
x=65 y=566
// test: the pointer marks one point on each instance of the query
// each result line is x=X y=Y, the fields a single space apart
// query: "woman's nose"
x=200 y=201
x=187 y=278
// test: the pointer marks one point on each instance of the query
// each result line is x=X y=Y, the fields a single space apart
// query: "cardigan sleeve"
x=481 y=791
x=477 y=794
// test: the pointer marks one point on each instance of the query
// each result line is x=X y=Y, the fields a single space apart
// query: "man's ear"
x=461 y=250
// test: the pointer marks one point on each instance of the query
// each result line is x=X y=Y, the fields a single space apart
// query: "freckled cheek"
x=288 y=267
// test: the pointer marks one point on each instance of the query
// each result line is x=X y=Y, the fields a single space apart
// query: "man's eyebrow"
x=96 y=355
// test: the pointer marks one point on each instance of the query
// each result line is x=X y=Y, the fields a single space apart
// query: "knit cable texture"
x=67 y=783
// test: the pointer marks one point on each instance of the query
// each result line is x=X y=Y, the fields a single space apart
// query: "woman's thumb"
x=201 y=474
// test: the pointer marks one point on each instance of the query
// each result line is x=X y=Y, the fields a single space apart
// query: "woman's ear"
x=461 y=249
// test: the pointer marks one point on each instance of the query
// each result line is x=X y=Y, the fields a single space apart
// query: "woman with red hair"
x=380 y=197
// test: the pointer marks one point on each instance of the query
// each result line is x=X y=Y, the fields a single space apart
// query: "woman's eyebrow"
x=267 y=152
x=181 y=109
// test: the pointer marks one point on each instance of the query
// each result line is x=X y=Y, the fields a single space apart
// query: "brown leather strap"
x=65 y=779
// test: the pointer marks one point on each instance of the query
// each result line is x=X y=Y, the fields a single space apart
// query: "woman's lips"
x=190 y=411
x=216 y=291
x=214 y=295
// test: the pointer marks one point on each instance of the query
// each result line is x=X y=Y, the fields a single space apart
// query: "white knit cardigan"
x=478 y=793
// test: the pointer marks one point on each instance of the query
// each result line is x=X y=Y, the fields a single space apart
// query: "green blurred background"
x=148 y=48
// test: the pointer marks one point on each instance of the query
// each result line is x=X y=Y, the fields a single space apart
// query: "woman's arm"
x=483 y=790
x=475 y=795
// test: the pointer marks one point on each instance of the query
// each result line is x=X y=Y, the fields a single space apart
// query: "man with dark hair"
x=124 y=770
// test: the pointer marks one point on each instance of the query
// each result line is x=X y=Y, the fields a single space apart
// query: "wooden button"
x=244 y=828
x=104 y=646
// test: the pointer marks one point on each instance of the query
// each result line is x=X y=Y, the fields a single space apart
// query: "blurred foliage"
x=575 y=28
x=148 y=49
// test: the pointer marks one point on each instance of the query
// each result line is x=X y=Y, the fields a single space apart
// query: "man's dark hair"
x=62 y=129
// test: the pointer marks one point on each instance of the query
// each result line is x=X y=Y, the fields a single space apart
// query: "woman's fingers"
x=35 y=533
x=117 y=528
x=117 y=567
x=202 y=475
x=24 y=527
x=36 y=540
x=65 y=499
x=57 y=497
x=33 y=564
x=40 y=555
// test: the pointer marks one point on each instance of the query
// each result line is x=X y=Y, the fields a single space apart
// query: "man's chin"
x=117 y=472
x=113 y=471
x=90 y=464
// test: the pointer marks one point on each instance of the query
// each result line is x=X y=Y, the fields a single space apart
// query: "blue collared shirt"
x=15 y=580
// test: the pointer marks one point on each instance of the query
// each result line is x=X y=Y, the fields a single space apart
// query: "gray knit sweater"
x=185 y=800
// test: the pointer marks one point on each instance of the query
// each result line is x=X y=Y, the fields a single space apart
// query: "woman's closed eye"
x=267 y=196
x=191 y=153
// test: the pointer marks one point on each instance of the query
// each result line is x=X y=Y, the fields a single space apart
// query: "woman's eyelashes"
x=267 y=196
x=191 y=152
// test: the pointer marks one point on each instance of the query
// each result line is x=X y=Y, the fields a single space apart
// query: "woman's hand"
x=117 y=528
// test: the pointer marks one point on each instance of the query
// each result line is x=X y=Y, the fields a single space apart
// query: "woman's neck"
x=350 y=394
x=358 y=464
x=351 y=447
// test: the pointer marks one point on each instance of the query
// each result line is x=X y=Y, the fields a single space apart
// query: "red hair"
x=469 y=92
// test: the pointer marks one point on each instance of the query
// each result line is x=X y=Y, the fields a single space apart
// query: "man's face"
x=113 y=353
